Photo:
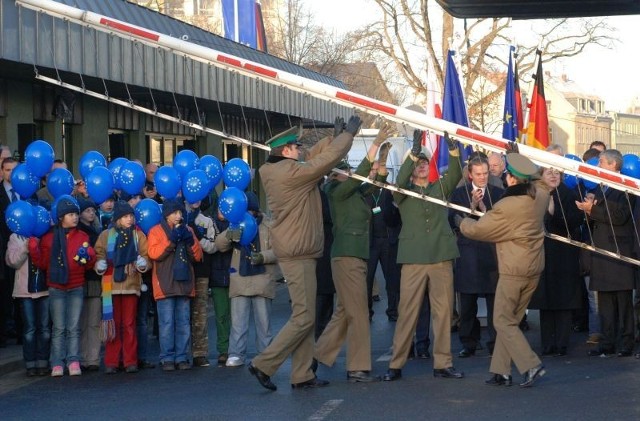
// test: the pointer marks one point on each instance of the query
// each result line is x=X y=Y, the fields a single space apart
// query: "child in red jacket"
x=64 y=253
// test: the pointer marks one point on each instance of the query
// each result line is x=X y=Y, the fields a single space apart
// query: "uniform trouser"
x=555 y=328
x=385 y=253
x=469 y=325
x=199 y=325
x=512 y=298
x=90 y=331
x=616 y=319
x=438 y=279
x=222 y=309
x=350 y=321
x=296 y=336
x=423 y=342
x=324 y=311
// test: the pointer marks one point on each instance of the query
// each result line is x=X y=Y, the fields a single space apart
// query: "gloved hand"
x=383 y=154
x=141 y=264
x=452 y=144
x=353 y=126
x=257 y=258
x=191 y=218
x=101 y=266
x=184 y=232
x=82 y=255
x=338 y=126
x=383 y=134
x=234 y=234
x=187 y=237
x=512 y=147
x=416 y=148
x=175 y=234
x=198 y=230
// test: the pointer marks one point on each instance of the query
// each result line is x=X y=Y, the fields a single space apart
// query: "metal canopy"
x=539 y=9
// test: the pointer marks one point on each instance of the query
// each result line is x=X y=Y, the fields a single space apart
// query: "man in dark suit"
x=611 y=213
x=8 y=322
x=476 y=270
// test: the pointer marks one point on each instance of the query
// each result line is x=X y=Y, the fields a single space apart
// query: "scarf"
x=58 y=270
x=122 y=249
x=181 y=266
x=246 y=268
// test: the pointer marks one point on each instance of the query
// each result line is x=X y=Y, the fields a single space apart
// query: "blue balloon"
x=233 y=204
x=185 y=161
x=60 y=181
x=168 y=182
x=115 y=166
x=571 y=181
x=630 y=165
x=39 y=156
x=100 y=184
x=19 y=218
x=132 y=177
x=23 y=181
x=148 y=214
x=237 y=174
x=213 y=168
x=249 y=229
x=42 y=221
x=54 y=207
x=89 y=161
x=590 y=185
x=195 y=186
x=574 y=157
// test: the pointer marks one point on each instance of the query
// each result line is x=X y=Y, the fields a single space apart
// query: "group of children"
x=87 y=281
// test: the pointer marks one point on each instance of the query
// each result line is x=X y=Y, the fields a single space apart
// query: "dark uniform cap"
x=288 y=137
x=520 y=166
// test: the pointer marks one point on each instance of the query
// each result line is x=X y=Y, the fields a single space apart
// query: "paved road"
x=576 y=387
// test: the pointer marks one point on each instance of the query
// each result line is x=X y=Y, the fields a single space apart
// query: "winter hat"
x=253 y=204
x=126 y=196
x=65 y=206
x=86 y=204
x=121 y=209
x=170 y=206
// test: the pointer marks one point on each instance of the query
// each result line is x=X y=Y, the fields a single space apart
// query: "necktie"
x=14 y=196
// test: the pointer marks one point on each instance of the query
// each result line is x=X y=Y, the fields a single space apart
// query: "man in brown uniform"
x=297 y=240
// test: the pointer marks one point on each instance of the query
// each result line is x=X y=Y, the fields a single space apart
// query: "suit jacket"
x=5 y=271
x=426 y=236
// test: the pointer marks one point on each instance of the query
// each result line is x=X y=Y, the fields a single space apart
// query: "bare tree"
x=404 y=36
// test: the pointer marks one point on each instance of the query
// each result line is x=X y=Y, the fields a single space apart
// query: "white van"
x=361 y=145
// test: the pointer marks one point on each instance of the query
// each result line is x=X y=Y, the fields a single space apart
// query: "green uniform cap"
x=288 y=137
x=521 y=166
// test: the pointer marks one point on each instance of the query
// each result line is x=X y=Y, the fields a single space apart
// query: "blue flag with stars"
x=509 y=117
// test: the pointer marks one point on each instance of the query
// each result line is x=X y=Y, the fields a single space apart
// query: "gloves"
x=257 y=258
x=187 y=237
x=451 y=143
x=417 y=142
x=175 y=234
x=338 y=126
x=353 y=126
x=234 y=234
x=383 y=134
x=384 y=152
x=101 y=266
x=198 y=230
x=512 y=147
x=141 y=264
x=191 y=218
x=82 y=255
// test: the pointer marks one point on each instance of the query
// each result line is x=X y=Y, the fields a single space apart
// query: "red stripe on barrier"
x=229 y=60
x=609 y=177
x=261 y=70
x=125 y=28
x=366 y=103
x=481 y=138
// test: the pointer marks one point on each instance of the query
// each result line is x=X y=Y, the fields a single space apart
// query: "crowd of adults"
x=95 y=278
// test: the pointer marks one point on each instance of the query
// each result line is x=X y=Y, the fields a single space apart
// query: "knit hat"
x=65 y=206
x=120 y=209
x=126 y=196
x=253 y=204
x=170 y=206
x=86 y=204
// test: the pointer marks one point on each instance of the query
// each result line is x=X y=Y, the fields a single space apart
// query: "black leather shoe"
x=392 y=374
x=499 y=380
x=466 y=353
x=361 y=377
x=423 y=354
x=263 y=379
x=310 y=384
x=448 y=373
x=600 y=353
x=532 y=375
x=549 y=350
x=625 y=353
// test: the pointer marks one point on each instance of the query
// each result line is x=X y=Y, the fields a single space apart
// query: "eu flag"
x=510 y=115
x=239 y=18
x=454 y=109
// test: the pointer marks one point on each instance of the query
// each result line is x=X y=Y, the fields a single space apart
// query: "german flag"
x=261 y=36
x=538 y=128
